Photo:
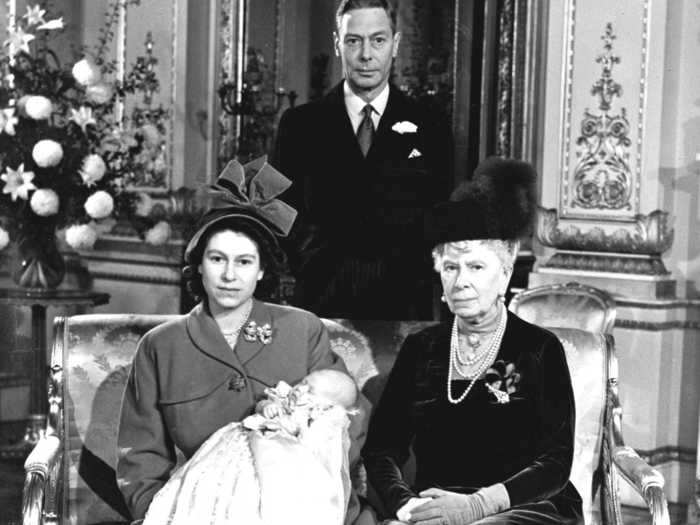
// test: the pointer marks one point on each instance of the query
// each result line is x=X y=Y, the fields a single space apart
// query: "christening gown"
x=291 y=468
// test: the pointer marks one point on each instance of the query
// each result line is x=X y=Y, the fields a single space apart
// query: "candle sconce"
x=256 y=106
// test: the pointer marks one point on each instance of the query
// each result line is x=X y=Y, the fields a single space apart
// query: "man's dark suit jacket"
x=357 y=249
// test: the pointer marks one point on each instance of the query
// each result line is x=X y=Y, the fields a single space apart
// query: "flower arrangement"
x=65 y=160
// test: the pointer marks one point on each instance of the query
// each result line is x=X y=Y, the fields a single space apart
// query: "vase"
x=39 y=263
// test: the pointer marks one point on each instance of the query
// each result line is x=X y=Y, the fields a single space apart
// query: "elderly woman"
x=486 y=398
x=194 y=375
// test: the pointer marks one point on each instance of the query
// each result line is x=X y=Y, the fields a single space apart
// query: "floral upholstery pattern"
x=96 y=353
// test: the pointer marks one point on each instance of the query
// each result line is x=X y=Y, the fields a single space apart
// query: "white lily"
x=18 y=183
x=56 y=23
x=18 y=41
x=35 y=15
x=82 y=117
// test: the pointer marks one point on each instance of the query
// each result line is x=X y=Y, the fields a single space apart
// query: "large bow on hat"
x=254 y=187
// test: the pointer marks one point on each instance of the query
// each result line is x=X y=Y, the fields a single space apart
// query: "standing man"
x=366 y=163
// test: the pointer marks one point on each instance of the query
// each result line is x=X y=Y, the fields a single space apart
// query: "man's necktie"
x=365 y=133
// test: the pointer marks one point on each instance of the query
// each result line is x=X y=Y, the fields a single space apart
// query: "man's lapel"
x=340 y=127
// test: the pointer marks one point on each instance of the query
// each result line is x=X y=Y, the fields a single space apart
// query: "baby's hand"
x=271 y=410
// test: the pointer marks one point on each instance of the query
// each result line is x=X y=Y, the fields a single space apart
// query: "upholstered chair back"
x=569 y=305
x=588 y=355
x=91 y=359
x=95 y=354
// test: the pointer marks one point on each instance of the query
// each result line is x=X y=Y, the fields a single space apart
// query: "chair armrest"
x=37 y=467
x=647 y=480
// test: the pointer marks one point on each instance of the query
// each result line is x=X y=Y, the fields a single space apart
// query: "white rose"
x=86 y=72
x=159 y=234
x=99 y=205
x=81 y=236
x=44 y=202
x=47 y=153
x=38 y=107
x=93 y=169
x=4 y=238
x=99 y=93
x=144 y=205
x=150 y=134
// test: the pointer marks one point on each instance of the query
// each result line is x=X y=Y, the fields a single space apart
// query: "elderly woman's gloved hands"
x=452 y=508
x=447 y=508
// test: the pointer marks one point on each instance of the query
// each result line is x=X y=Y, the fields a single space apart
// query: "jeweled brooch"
x=254 y=332
x=501 y=396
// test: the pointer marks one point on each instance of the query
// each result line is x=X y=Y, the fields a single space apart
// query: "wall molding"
x=652 y=326
x=132 y=278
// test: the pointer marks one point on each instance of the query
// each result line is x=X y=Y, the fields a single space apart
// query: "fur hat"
x=497 y=203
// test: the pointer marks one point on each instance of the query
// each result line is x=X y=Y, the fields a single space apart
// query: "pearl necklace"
x=231 y=336
x=484 y=361
x=475 y=342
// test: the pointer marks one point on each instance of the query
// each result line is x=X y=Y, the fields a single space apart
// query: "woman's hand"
x=447 y=508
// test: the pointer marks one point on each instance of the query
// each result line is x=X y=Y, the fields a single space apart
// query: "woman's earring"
x=443 y=299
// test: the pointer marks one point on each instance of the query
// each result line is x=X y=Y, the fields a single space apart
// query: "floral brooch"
x=502 y=380
x=254 y=332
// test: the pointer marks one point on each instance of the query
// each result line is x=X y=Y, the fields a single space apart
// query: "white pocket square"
x=405 y=126
x=414 y=153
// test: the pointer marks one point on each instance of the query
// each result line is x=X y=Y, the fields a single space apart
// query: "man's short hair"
x=346 y=6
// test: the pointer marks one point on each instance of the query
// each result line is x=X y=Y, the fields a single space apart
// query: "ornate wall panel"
x=604 y=103
x=150 y=31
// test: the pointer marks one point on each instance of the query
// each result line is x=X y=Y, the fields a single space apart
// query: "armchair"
x=574 y=305
x=70 y=474
x=571 y=305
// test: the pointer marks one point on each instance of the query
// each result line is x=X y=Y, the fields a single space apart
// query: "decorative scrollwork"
x=602 y=175
x=648 y=235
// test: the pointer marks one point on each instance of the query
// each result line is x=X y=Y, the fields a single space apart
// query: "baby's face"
x=329 y=389
x=319 y=386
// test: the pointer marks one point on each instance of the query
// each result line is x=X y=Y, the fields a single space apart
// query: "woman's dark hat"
x=497 y=203
x=248 y=192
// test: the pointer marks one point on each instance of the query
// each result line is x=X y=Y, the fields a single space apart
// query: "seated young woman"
x=485 y=399
x=194 y=375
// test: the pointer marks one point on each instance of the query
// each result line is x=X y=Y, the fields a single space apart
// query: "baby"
x=287 y=463
x=293 y=409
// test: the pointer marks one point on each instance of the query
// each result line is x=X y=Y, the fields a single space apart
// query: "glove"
x=451 y=508
x=404 y=513
x=447 y=508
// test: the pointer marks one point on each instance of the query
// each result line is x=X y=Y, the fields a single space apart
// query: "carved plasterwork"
x=602 y=178
x=504 y=85
x=159 y=178
x=231 y=49
x=647 y=235
x=651 y=265
x=601 y=161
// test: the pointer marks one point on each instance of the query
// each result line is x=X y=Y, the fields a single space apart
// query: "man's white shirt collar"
x=354 y=106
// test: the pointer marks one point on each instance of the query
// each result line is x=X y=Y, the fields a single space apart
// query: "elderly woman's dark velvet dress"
x=525 y=443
